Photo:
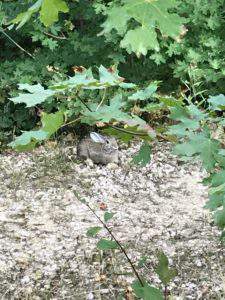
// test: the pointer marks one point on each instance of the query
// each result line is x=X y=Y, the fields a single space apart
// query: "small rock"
x=25 y=280
x=112 y=166
x=89 y=163
x=90 y=296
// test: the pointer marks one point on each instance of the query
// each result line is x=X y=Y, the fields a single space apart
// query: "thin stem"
x=15 y=43
x=115 y=239
x=71 y=122
x=81 y=100
x=55 y=36
x=127 y=131
x=102 y=101
x=165 y=293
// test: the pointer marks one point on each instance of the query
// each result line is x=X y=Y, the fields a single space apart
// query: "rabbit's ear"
x=97 y=138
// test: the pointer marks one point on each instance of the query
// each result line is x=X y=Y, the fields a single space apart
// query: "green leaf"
x=219 y=218
x=202 y=145
x=217 y=102
x=146 y=292
x=215 y=201
x=222 y=237
x=109 y=78
x=208 y=151
x=127 y=85
x=107 y=113
x=165 y=273
x=104 y=244
x=123 y=136
x=144 y=94
x=84 y=80
x=149 y=16
x=178 y=130
x=218 y=189
x=108 y=216
x=50 y=10
x=152 y=293
x=222 y=152
x=179 y=113
x=196 y=113
x=37 y=94
x=140 y=40
x=23 y=17
x=28 y=140
x=52 y=122
x=186 y=149
x=120 y=15
x=218 y=178
x=170 y=101
x=156 y=12
x=144 y=155
x=93 y=231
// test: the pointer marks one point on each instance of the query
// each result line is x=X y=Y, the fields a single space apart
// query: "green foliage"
x=68 y=96
x=165 y=273
x=108 y=216
x=145 y=94
x=146 y=292
x=28 y=140
x=107 y=113
x=93 y=231
x=141 y=288
x=49 y=10
x=144 y=155
x=23 y=17
x=148 y=16
x=217 y=102
x=37 y=94
x=105 y=244
x=197 y=139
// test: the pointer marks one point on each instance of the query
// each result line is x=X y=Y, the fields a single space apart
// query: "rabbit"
x=101 y=149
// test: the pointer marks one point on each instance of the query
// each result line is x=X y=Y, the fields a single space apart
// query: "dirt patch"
x=44 y=250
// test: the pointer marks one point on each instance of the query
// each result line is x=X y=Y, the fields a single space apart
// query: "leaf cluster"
x=201 y=135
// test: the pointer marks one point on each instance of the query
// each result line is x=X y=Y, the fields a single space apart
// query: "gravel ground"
x=44 y=250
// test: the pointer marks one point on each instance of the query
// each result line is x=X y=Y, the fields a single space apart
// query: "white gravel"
x=44 y=250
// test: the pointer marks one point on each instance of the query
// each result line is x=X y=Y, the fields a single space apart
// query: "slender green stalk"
x=113 y=236
x=15 y=43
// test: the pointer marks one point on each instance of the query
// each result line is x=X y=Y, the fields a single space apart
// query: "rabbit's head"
x=99 y=148
x=109 y=144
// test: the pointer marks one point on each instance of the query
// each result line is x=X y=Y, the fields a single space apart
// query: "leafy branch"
x=113 y=237
x=141 y=287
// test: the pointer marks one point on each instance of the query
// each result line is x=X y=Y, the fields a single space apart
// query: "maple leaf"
x=144 y=94
x=217 y=102
x=28 y=139
x=23 y=17
x=119 y=14
x=107 y=113
x=140 y=40
x=165 y=273
x=37 y=94
x=144 y=155
x=50 y=10
x=150 y=15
